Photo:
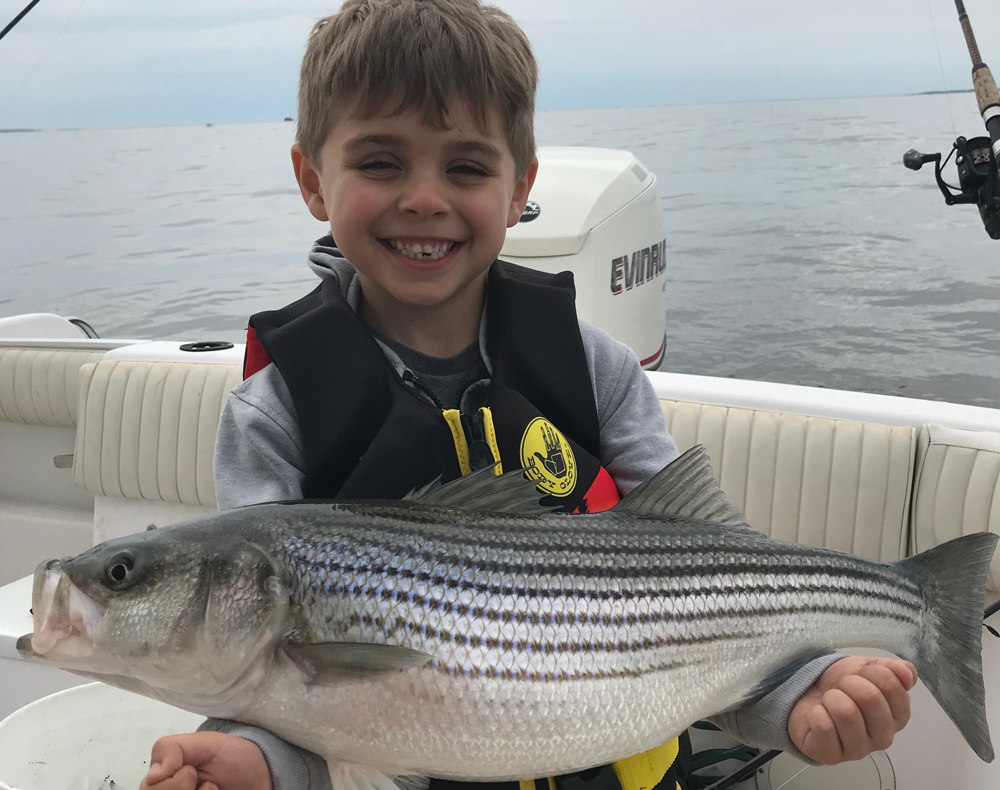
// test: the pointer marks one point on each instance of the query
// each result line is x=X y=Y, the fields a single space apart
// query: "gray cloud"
x=73 y=63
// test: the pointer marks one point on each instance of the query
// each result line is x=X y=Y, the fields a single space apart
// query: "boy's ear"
x=309 y=185
x=522 y=189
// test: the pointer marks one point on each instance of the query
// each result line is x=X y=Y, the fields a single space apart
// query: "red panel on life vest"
x=602 y=494
x=256 y=357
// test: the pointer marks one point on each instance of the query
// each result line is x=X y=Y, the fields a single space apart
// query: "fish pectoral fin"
x=775 y=679
x=353 y=776
x=685 y=488
x=329 y=663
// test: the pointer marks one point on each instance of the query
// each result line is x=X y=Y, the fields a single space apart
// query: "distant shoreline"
x=287 y=119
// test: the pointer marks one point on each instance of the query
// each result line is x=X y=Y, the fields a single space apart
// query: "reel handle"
x=914 y=160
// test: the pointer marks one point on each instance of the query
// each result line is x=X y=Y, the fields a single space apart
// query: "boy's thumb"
x=173 y=752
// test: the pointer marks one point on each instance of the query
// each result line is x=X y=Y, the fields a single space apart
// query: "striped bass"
x=466 y=633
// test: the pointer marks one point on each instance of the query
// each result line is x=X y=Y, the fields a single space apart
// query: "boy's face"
x=420 y=212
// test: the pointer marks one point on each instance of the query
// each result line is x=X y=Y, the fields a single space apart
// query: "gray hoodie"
x=259 y=457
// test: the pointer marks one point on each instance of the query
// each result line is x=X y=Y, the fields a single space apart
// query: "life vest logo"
x=548 y=458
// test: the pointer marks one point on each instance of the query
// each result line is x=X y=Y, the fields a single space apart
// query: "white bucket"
x=91 y=737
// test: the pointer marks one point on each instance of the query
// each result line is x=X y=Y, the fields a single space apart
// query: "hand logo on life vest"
x=548 y=458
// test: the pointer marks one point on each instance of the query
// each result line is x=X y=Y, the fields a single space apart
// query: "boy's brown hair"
x=419 y=53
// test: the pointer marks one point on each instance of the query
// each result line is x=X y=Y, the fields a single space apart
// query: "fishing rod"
x=977 y=159
x=18 y=18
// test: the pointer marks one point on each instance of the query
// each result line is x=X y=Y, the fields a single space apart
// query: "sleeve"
x=258 y=449
x=291 y=768
x=635 y=444
x=764 y=723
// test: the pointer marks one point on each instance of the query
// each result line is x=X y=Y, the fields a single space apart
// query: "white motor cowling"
x=594 y=212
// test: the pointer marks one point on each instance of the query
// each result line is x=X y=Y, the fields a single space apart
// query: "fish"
x=468 y=632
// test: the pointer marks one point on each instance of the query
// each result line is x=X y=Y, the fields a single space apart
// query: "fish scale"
x=436 y=636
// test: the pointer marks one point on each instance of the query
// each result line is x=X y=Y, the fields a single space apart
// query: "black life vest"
x=366 y=434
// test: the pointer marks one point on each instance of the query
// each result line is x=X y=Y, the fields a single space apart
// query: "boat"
x=101 y=438
x=104 y=437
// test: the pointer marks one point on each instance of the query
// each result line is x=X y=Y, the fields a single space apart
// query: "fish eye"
x=119 y=570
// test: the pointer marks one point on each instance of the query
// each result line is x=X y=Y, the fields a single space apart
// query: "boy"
x=421 y=355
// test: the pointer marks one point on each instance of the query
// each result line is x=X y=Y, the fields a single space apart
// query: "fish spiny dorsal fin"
x=685 y=488
x=484 y=491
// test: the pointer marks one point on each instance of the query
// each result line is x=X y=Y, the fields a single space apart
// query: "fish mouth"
x=65 y=620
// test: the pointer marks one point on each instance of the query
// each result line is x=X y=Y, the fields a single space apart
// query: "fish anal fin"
x=354 y=776
x=329 y=663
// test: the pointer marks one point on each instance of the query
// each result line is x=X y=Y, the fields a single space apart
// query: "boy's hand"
x=855 y=707
x=206 y=761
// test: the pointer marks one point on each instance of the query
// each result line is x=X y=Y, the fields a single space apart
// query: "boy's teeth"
x=423 y=251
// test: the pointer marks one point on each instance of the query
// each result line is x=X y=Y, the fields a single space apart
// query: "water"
x=800 y=249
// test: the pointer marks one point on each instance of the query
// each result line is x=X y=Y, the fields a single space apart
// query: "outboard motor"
x=595 y=212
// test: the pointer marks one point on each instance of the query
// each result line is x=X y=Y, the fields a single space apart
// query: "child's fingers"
x=880 y=727
x=173 y=751
x=184 y=779
x=893 y=689
x=208 y=786
x=166 y=760
x=850 y=723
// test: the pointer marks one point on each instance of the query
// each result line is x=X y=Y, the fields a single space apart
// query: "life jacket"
x=367 y=434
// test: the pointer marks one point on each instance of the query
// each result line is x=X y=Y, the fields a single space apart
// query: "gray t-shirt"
x=444 y=379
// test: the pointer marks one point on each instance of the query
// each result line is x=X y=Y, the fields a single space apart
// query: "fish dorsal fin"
x=484 y=491
x=329 y=663
x=685 y=488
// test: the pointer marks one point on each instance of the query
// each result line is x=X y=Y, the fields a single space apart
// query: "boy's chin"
x=434 y=296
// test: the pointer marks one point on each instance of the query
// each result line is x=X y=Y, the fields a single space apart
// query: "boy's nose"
x=424 y=198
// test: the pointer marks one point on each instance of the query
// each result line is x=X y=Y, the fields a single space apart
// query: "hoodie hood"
x=326 y=260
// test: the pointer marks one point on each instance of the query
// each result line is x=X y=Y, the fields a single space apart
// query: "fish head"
x=176 y=614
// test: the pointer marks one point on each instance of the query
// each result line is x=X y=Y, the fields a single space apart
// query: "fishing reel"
x=978 y=178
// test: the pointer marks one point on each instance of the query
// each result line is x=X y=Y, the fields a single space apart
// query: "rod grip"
x=987 y=93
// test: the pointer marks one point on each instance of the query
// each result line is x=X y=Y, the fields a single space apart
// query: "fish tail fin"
x=948 y=655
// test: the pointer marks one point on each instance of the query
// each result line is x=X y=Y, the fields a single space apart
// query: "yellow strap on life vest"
x=491 y=439
x=645 y=771
x=454 y=419
x=638 y=772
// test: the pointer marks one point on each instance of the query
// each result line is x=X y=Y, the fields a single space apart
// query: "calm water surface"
x=800 y=249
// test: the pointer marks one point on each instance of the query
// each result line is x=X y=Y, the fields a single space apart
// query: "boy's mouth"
x=421 y=251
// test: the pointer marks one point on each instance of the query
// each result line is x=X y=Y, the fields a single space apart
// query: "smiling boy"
x=421 y=355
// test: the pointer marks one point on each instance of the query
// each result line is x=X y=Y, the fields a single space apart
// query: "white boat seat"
x=957 y=482
x=38 y=386
x=147 y=433
x=147 y=429
x=823 y=482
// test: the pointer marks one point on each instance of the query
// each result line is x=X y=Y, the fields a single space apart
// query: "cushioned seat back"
x=823 y=482
x=147 y=429
x=38 y=386
x=956 y=490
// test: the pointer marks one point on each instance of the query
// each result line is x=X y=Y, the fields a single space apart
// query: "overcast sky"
x=122 y=62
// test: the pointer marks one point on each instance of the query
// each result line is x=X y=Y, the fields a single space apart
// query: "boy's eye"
x=469 y=170
x=377 y=164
